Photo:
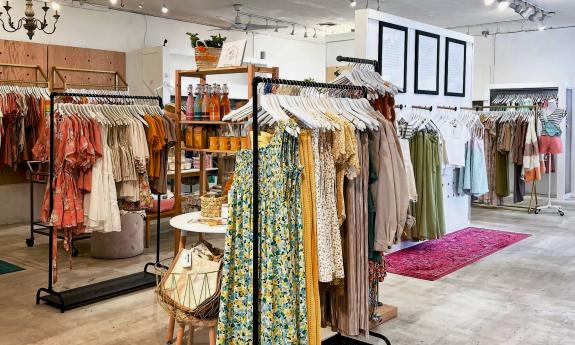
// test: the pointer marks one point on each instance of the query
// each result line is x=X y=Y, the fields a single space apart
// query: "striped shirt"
x=555 y=118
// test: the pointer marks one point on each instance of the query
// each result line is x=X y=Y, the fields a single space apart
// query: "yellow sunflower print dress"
x=282 y=296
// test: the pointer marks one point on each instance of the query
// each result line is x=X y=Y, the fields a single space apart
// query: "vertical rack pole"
x=255 y=209
x=51 y=182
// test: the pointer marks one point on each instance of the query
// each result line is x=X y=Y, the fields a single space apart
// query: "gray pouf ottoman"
x=120 y=245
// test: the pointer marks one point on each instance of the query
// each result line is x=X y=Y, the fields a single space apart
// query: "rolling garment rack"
x=533 y=196
x=338 y=338
x=88 y=294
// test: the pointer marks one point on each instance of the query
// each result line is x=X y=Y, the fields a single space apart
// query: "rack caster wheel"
x=30 y=242
x=74 y=252
x=537 y=211
x=561 y=213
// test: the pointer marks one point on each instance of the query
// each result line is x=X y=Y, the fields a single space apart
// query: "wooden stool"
x=211 y=324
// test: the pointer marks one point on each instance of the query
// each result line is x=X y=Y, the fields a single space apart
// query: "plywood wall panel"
x=84 y=58
x=22 y=53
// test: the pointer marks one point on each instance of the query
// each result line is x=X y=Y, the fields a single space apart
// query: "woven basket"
x=207 y=57
x=175 y=305
x=212 y=206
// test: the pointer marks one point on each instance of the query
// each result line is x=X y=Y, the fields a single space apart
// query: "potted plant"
x=207 y=51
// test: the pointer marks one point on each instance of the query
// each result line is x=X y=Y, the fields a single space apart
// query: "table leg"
x=172 y=321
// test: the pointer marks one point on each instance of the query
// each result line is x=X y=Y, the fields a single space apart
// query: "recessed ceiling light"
x=113 y=2
x=352 y=3
x=488 y=2
x=164 y=8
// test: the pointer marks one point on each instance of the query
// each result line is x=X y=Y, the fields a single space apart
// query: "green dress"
x=283 y=313
x=428 y=210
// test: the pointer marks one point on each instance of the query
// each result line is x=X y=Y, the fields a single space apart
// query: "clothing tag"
x=187 y=263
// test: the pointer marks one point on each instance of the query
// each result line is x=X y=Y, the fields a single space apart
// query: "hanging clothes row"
x=341 y=160
x=22 y=110
x=102 y=156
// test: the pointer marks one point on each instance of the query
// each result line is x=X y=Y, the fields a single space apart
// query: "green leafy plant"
x=309 y=80
x=194 y=38
x=215 y=41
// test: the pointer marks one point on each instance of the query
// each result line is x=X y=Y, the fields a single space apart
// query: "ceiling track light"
x=277 y=26
x=502 y=5
x=352 y=3
x=292 y=29
x=305 y=34
x=314 y=33
x=113 y=2
x=141 y=5
x=164 y=8
x=488 y=2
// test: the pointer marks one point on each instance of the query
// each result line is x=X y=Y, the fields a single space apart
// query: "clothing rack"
x=429 y=108
x=445 y=107
x=255 y=201
x=88 y=294
x=120 y=83
x=533 y=196
x=374 y=63
x=39 y=72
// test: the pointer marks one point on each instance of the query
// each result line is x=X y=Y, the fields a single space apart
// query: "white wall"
x=121 y=31
x=524 y=57
x=457 y=209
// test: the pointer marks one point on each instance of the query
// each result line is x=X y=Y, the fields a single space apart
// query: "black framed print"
x=426 y=63
x=393 y=54
x=455 y=67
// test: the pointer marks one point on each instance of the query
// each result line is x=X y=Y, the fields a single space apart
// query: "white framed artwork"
x=232 y=53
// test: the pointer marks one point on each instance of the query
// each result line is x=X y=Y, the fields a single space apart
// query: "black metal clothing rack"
x=88 y=294
x=338 y=339
x=374 y=63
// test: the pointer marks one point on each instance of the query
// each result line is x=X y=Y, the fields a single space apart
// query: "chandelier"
x=29 y=21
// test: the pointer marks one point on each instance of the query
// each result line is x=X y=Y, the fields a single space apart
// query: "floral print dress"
x=282 y=297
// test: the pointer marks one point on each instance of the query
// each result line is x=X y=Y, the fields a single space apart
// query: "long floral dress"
x=283 y=313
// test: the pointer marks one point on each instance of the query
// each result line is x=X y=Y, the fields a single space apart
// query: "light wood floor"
x=524 y=294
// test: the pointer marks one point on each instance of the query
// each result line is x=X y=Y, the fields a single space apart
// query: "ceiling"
x=444 y=13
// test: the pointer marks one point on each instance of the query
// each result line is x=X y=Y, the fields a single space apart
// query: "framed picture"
x=232 y=53
x=455 y=67
x=426 y=63
x=393 y=54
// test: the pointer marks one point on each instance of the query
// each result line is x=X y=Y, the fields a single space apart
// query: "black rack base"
x=85 y=295
x=342 y=340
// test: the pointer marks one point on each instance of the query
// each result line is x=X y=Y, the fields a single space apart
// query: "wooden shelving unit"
x=202 y=74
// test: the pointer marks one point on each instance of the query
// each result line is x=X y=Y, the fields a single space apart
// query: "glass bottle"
x=225 y=107
x=206 y=102
x=198 y=103
x=215 y=103
x=190 y=103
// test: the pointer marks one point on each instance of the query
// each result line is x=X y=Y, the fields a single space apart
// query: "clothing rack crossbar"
x=428 y=108
x=374 y=63
x=255 y=197
x=92 y=293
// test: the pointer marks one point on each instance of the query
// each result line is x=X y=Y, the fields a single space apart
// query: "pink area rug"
x=432 y=260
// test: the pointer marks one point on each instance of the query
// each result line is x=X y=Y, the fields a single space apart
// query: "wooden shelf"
x=224 y=70
x=386 y=312
x=209 y=151
x=213 y=123
x=190 y=172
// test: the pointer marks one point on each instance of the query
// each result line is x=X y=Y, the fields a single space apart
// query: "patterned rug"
x=6 y=267
x=432 y=260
